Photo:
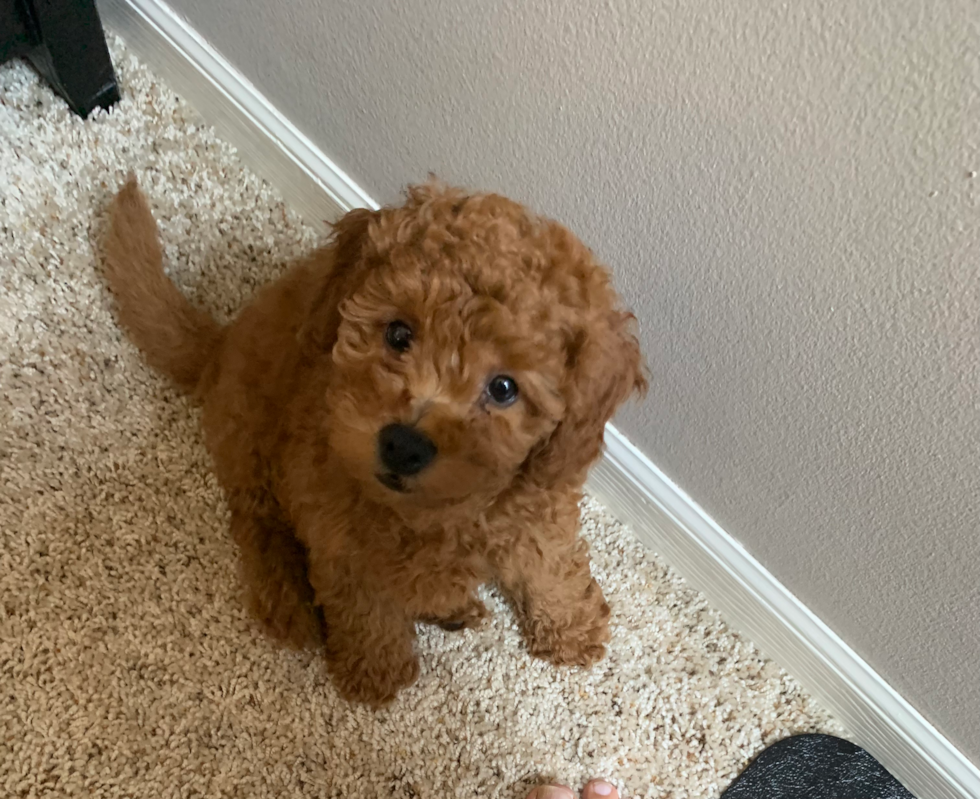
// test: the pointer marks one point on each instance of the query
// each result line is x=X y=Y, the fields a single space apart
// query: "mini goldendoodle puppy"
x=406 y=414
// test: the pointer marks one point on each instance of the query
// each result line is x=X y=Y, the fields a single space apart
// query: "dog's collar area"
x=392 y=481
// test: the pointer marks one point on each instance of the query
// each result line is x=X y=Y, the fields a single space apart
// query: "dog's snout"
x=404 y=450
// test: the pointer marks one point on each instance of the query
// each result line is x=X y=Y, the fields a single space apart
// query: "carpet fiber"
x=127 y=665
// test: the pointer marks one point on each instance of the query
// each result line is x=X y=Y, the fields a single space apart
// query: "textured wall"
x=786 y=193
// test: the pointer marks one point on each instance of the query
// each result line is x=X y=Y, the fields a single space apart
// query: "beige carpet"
x=127 y=666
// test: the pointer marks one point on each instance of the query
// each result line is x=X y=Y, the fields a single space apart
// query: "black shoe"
x=815 y=767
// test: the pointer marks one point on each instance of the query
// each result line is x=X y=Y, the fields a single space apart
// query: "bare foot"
x=594 y=789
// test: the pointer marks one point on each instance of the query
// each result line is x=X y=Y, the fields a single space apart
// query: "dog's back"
x=177 y=338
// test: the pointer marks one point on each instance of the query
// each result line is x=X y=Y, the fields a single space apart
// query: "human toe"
x=600 y=789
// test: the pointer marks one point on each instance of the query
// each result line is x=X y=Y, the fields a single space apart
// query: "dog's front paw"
x=577 y=645
x=374 y=683
x=571 y=637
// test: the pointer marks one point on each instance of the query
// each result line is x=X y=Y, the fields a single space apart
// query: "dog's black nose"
x=404 y=450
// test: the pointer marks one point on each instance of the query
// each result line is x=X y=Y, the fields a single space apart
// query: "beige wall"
x=786 y=194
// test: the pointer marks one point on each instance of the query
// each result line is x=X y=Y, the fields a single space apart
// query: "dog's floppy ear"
x=346 y=262
x=604 y=368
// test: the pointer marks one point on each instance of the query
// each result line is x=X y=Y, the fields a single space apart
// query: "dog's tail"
x=176 y=338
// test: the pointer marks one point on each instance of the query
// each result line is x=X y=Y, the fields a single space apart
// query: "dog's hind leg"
x=274 y=573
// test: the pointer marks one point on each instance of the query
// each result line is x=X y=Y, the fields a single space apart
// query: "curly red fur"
x=297 y=388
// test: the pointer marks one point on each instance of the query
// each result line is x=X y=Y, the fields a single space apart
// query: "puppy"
x=406 y=414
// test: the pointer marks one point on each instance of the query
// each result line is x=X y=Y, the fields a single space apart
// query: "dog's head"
x=473 y=345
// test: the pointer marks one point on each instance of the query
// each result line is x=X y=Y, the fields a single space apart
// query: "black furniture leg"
x=71 y=53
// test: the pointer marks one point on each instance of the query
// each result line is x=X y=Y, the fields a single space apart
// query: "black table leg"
x=71 y=53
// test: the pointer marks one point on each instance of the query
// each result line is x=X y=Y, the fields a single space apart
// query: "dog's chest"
x=424 y=570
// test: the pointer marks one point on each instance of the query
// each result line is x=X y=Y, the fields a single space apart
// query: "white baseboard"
x=749 y=597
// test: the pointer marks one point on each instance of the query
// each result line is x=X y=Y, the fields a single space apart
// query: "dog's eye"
x=398 y=336
x=502 y=390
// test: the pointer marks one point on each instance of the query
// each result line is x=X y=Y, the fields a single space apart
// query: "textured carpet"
x=127 y=665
